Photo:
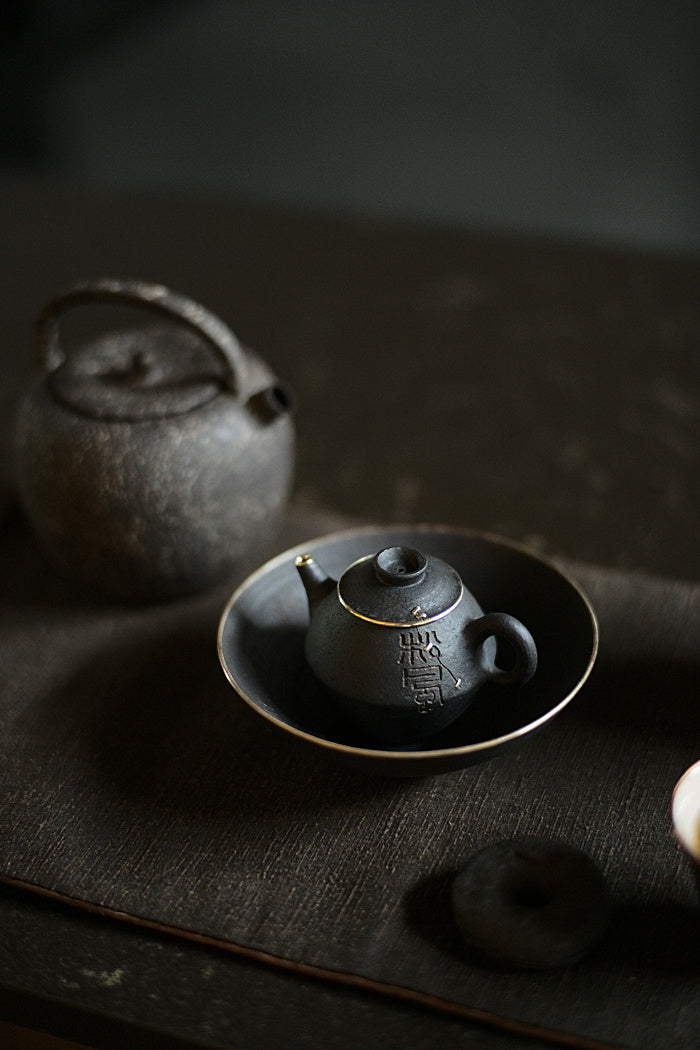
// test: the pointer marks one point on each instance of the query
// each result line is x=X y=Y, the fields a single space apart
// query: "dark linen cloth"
x=134 y=780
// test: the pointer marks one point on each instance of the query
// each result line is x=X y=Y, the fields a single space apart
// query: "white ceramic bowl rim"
x=685 y=810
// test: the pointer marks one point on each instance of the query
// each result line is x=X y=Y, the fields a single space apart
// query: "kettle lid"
x=400 y=587
x=145 y=373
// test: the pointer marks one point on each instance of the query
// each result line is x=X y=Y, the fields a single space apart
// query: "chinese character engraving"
x=422 y=671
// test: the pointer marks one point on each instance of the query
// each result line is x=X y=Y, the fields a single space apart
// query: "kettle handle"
x=151 y=296
x=512 y=631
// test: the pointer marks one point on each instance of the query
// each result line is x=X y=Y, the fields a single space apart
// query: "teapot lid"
x=400 y=587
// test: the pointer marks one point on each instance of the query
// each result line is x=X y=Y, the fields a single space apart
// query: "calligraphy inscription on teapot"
x=423 y=672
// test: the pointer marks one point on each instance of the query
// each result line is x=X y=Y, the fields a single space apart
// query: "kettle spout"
x=316 y=583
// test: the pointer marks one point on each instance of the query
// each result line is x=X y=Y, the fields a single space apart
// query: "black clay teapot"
x=402 y=647
x=150 y=461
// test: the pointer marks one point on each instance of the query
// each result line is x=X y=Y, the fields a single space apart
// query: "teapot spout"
x=316 y=583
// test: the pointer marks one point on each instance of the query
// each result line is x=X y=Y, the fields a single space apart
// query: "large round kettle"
x=150 y=461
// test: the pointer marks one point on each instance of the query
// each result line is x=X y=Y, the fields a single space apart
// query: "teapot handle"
x=512 y=631
x=151 y=296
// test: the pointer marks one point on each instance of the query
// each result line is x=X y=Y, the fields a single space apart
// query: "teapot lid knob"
x=400 y=566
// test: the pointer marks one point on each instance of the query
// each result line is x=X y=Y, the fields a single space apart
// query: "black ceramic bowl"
x=261 y=647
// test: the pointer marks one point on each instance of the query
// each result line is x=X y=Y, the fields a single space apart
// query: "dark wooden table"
x=546 y=392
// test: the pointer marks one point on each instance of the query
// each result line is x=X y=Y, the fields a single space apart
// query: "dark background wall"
x=579 y=119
